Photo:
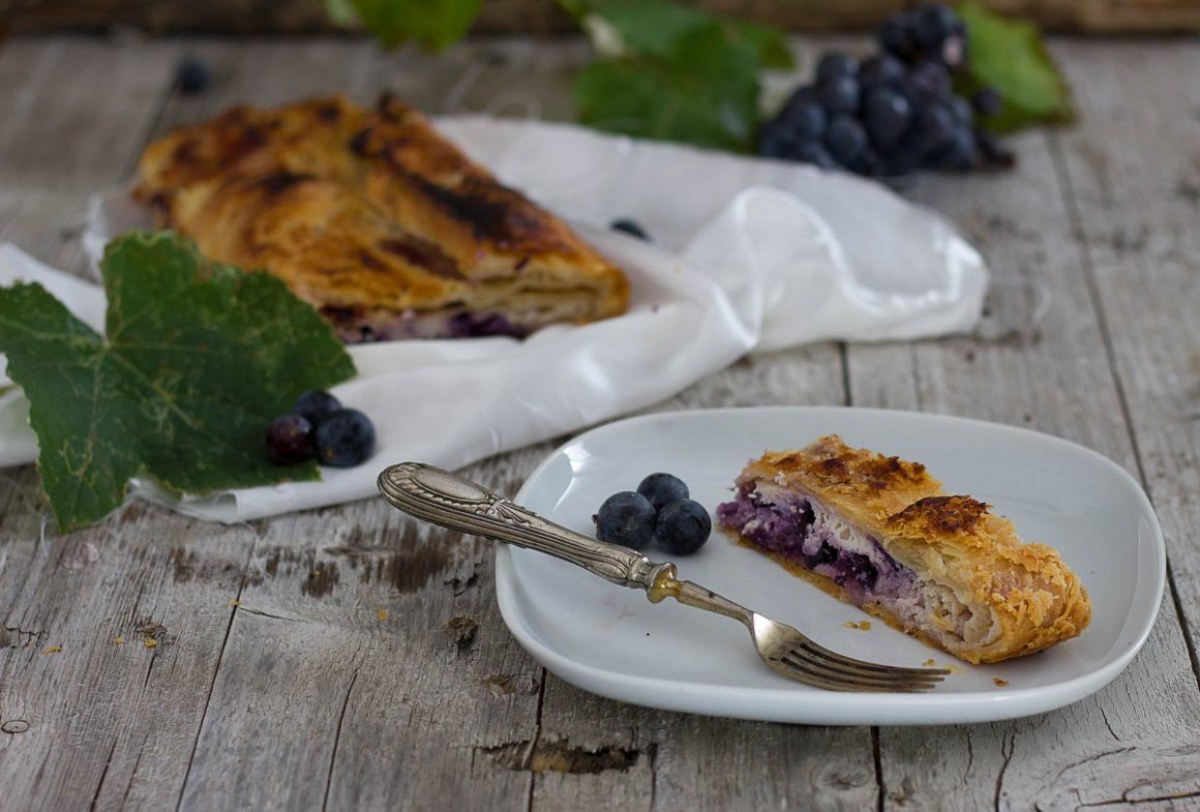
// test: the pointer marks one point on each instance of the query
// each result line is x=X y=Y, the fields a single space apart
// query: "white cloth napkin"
x=748 y=255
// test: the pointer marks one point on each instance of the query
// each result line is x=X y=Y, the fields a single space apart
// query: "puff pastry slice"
x=880 y=533
x=376 y=220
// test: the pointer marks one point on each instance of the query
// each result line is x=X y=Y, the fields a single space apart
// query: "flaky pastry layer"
x=374 y=218
x=973 y=587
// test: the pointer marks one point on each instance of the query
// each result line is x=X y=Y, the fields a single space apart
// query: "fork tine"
x=816 y=673
x=817 y=650
x=859 y=674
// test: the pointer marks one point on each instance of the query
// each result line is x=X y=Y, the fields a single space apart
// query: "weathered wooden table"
x=347 y=658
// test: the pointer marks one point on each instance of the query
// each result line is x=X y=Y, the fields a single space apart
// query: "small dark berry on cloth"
x=345 y=439
x=315 y=405
x=290 y=440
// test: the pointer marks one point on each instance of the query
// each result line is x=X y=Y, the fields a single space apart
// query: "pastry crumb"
x=865 y=625
x=150 y=642
x=51 y=649
x=381 y=615
x=119 y=639
x=234 y=602
x=954 y=669
x=929 y=662
x=862 y=625
x=1000 y=682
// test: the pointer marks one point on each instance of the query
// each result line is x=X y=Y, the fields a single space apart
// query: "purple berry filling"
x=805 y=534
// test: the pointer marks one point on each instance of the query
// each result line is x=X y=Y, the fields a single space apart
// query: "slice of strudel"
x=375 y=219
x=879 y=532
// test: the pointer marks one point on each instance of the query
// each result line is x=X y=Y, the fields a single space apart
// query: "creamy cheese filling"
x=805 y=533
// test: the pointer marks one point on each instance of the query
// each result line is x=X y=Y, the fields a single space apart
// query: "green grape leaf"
x=1010 y=56
x=702 y=90
x=198 y=358
x=433 y=24
x=655 y=29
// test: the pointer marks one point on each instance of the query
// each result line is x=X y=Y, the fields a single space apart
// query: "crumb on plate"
x=930 y=662
x=1000 y=682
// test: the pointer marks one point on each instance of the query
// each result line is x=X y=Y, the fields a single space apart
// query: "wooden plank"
x=1053 y=376
x=76 y=109
x=1137 y=209
x=100 y=721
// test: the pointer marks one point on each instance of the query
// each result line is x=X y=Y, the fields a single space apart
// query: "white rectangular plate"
x=613 y=642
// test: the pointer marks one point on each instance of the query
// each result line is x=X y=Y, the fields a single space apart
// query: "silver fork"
x=452 y=501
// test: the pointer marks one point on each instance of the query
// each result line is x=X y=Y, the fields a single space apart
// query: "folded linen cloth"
x=747 y=255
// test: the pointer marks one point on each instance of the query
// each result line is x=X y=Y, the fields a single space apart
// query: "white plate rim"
x=832 y=708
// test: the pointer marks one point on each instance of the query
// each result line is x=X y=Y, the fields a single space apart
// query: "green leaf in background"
x=434 y=24
x=656 y=28
x=702 y=90
x=198 y=359
x=1010 y=56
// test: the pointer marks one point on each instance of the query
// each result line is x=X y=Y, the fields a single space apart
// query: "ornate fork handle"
x=451 y=501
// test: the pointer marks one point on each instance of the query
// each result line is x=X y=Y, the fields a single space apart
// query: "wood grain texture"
x=348 y=658
x=545 y=16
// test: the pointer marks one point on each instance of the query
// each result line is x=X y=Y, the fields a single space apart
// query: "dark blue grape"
x=883 y=70
x=804 y=117
x=682 y=527
x=839 y=95
x=315 y=405
x=896 y=35
x=992 y=152
x=626 y=518
x=835 y=65
x=987 y=102
x=927 y=82
x=961 y=109
x=813 y=152
x=932 y=25
x=630 y=227
x=290 y=440
x=345 y=439
x=958 y=154
x=887 y=114
x=845 y=139
x=662 y=489
x=934 y=126
x=869 y=163
x=904 y=158
x=192 y=76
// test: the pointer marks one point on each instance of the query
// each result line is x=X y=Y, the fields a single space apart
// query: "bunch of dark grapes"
x=894 y=112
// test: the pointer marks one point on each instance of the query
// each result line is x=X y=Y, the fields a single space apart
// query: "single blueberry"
x=316 y=405
x=345 y=439
x=631 y=227
x=662 y=489
x=682 y=527
x=625 y=518
x=192 y=76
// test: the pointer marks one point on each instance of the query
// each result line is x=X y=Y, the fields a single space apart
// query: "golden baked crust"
x=369 y=214
x=1027 y=595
